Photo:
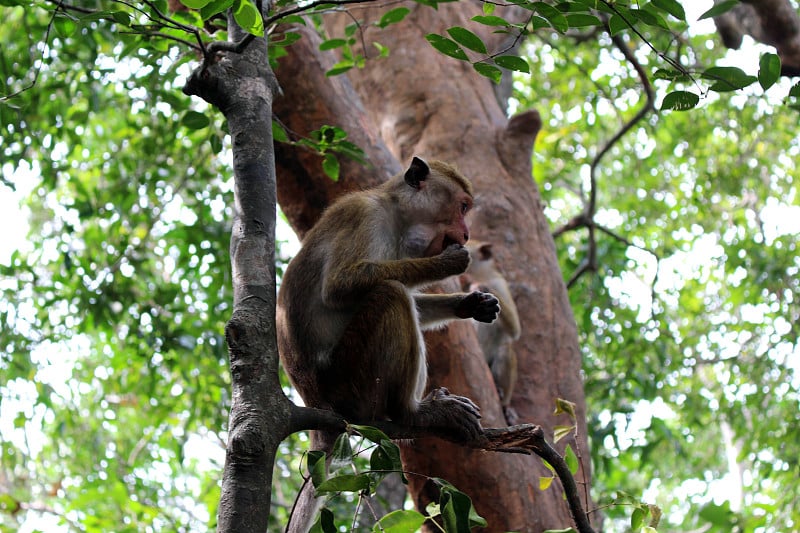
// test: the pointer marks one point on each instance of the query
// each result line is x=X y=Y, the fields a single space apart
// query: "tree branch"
x=523 y=439
x=586 y=219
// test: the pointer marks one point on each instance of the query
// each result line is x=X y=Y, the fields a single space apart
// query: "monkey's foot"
x=482 y=306
x=454 y=418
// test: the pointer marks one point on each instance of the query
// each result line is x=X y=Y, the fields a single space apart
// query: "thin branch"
x=37 y=69
x=164 y=36
x=587 y=218
x=308 y=7
x=622 y=46
x=530 y=438
x=673 y=63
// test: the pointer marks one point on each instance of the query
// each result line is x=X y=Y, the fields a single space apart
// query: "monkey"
x=496 y=339
x=349 y=317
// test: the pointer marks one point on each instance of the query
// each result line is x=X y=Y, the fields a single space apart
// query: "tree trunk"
x=772 y=22
x=241 y=85
x=419 y=102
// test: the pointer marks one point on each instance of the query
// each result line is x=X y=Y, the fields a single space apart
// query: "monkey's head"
x=481 y=266
x=438 y=201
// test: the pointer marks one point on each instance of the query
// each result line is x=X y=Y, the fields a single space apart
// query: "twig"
x=586 y=219
x=38 y=69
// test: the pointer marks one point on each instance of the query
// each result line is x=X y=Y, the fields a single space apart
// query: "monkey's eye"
x=464 y=207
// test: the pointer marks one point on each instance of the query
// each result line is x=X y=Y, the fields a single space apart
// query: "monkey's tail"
x=307 y=505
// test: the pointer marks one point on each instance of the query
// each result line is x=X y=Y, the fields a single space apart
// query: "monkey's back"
x=309 y=325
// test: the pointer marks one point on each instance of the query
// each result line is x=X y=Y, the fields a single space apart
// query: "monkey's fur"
x=496 y=339
x=349 y=322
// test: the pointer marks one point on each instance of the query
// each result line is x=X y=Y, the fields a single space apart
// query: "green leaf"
x=383 y=51
x=680 y=101
x=214 y=7
x=583 y=20
x=559 y=432
x=325 y=522
x=194 y=120
x=64 y=26
x=488 y=8
x=316 y=467
x=466 y=38
x=728 y=78
x=458 y=514
x=513 y=63
x=669 y=74
x=719 y=515
x=340 y=68
x=545 y=482
x=121 y=17
x=248 y=17
x=400 y=522
x=769 y=70
x=342 y=453
x=331 y=44
x=672 y=7
x=391 y=452
x=649 y=18
x=216 y=142
x=195 y=4
x=538 y=23
x=345 y=483
x=370 y=433
x=490 y=20
x=719 y=9
x=446 y=46
x=330 y=165
x=553 y=15
x=571 y=460
x=9 y=504
x=490 y=71
x=393 y=16
x=379 y=461
x=617 y=24
x=278 y=133
x=637 y=518
x=565 y=407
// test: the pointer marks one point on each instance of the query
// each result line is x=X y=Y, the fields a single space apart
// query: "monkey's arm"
x=349 y=282
x=436 y=310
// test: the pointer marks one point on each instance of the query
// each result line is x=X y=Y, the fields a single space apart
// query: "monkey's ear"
x=417 y=172
x=485 y=251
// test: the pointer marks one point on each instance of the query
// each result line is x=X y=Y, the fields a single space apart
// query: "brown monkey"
x=349 y=322
x=496 y=339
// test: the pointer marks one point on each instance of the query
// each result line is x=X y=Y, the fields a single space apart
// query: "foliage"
x=351 y=472
x=113 y=370
x=689 y=324
x=615 y=18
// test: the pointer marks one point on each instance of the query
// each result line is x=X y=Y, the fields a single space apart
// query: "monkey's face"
x=451 y=226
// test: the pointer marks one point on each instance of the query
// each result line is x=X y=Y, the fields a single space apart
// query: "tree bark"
x=419 y=102
x=772 y=22
x=241 y=85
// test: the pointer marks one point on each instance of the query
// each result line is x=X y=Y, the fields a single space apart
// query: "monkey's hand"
x=481 y=306
x=454 y=260
x=455 y=418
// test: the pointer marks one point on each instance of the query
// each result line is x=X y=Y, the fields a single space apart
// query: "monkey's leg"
x=377 y=370
x=381 y=370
